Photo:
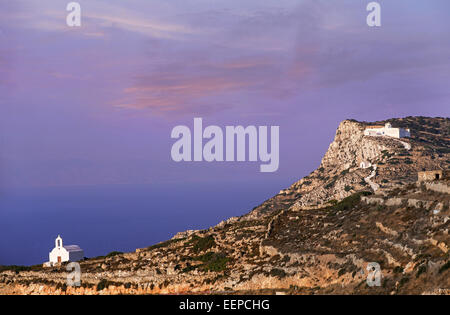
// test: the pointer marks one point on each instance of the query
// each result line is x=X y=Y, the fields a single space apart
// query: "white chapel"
x=387 y=130
x=62 y=253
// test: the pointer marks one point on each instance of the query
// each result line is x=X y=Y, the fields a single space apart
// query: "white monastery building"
x=62 y=253
x=386 y=130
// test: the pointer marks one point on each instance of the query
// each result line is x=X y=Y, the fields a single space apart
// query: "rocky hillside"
x=362 y=205
x=387 y=161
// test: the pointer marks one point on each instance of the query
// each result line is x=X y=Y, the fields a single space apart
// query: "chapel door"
x=59 y=259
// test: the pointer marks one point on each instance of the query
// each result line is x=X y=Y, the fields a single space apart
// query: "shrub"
x=403 y=281
x=350 y=201
x=114 y=253
x=188 y=268
x=398 y=269
x=213 y=261
x=202 y=243
x=330 y=184
x=446 y=266
x=165 y=244
x=420 y=270
x=61 y=286
x=348 y=188
x=102 y=284
x=279 y=273
x=15 y=268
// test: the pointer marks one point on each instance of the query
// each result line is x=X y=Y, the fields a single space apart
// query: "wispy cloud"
x=97 y=19
x=145 y=27
x=171 y=93
x=189 y=88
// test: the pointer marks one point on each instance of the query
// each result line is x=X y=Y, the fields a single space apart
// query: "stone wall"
x=438 y=187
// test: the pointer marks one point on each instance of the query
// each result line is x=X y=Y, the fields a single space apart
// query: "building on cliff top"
x=62 y=253
x=426 y=176
x=386 y=130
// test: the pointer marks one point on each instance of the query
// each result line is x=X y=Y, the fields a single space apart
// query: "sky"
x=95 y=105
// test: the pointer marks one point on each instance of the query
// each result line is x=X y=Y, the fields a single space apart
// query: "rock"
x=184 y=234
x=394 y=202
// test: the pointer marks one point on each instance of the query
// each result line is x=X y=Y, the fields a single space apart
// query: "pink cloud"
x=186 y=89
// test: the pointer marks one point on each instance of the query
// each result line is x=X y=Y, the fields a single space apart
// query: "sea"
x=106 y=218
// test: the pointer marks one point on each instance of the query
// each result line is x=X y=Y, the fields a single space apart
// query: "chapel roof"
x=73 y=248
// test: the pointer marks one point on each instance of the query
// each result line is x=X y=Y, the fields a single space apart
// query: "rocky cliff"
x=387 y=162
x=320 y=235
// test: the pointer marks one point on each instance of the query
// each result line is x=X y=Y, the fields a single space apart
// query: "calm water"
x=121 y=217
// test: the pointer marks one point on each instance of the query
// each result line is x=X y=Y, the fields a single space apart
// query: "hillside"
x=363 y=204
x=340 y=175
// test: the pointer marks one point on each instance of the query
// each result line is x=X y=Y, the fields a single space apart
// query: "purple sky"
x=95 y=105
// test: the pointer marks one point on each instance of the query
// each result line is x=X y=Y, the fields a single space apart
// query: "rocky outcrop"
x=343 y=168
x=184 y=234
x=350 y=147
x=354 y=162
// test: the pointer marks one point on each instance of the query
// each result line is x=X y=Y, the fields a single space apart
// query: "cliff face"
x=387 y=163
x=340 y=173
x=348 y=147
x=317 y=236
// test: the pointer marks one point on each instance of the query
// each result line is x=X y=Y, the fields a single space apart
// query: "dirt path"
x=368 y=180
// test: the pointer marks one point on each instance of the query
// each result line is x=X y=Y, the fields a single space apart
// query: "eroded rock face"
x=308 y=239
x=353 y=158
x=350 y=147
